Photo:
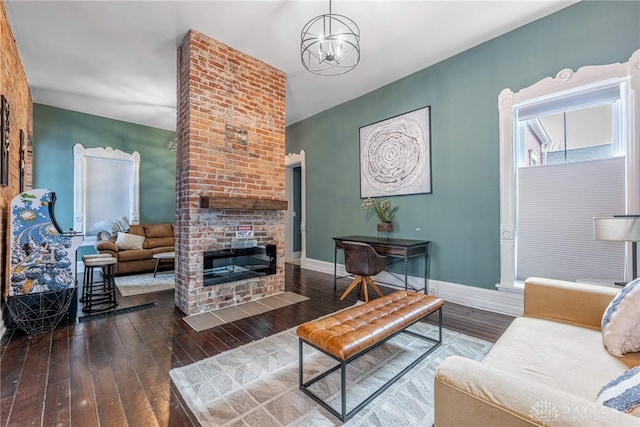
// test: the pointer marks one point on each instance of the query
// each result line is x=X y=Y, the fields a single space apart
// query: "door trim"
x=291 y=161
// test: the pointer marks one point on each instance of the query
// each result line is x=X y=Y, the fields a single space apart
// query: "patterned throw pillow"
x=126 y=241
x=623 y=393
x=621 y=322
x=113 y=225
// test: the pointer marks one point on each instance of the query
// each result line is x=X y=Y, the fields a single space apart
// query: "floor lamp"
x=620 y=228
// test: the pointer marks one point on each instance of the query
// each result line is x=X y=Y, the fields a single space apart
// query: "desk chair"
x=361 y=260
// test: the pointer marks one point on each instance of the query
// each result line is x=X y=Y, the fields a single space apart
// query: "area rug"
x=211 y=319
x=257 y=384
x=144 y=283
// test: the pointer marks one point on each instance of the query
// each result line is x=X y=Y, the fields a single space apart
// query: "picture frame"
x=395 y=155
x=4 y=141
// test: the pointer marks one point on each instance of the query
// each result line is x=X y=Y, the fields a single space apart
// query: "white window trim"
x=80 y=189
x=627 y=75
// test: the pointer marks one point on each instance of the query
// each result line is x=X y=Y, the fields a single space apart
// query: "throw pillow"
x=129 y=241
x=623 y=393
x=621 y=321
x=113 y=225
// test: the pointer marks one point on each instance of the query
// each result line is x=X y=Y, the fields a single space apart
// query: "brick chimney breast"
x=231 y=144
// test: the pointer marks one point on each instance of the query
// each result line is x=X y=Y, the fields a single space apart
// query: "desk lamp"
x=620 y=228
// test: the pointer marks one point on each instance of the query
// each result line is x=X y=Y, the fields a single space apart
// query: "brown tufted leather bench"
x=350 y=333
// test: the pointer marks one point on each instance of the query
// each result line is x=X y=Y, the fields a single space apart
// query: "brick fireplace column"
x=231 y=145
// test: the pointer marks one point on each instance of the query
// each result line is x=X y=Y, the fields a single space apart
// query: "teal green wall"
x=56 y=130
x=461 y=217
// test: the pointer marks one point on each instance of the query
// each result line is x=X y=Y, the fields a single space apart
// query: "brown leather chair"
x=361 y=260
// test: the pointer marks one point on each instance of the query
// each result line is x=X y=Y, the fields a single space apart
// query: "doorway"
x=295 y=239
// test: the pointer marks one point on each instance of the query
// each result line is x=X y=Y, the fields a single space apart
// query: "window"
x=569 y=136
x=569 y=153
x=106 y=185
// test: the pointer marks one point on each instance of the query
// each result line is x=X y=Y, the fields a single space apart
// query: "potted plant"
x=386 y=214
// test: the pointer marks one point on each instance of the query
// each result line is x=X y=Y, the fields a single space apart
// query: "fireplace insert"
x=234 y=264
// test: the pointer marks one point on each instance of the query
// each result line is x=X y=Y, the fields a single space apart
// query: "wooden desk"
x=396 y=248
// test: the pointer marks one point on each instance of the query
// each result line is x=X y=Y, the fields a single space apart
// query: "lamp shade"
x=617 y=229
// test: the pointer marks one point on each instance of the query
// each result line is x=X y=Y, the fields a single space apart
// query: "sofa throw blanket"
x=113 y=225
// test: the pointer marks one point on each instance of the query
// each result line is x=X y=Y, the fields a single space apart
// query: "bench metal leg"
x=342 y=365
x=343 y=389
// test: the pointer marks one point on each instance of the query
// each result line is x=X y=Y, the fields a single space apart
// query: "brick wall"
x=231 y=142
x=13 y=85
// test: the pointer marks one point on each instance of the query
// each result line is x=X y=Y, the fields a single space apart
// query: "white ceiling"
x=118 y=59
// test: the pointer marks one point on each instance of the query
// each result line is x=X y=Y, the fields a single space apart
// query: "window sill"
x=517 y=287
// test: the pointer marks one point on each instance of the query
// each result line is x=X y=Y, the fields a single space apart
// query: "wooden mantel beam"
x=242 y=203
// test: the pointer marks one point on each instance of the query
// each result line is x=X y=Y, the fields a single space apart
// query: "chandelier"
x=330 y=44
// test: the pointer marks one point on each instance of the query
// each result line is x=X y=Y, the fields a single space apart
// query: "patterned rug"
x=144 y=283
x=257 y=384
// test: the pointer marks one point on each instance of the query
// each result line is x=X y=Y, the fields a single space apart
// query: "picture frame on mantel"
x=4 y=141
x=395 y=155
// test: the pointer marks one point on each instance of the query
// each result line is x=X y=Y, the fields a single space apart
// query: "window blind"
x=581 y=99
x=556 y=205
x=108 y=191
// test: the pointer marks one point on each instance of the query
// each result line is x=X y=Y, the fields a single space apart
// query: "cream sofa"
x=546 y=369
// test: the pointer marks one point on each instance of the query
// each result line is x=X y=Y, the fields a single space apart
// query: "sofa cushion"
x=158 y=235
x=126 y=241
x=621 y=322
x=134 y=255
x=158 y=230
x=136 y=229
x=561 y=355
x=623 y=392
x=156 y=242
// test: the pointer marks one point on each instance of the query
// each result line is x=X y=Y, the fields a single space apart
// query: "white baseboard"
x=485 y=299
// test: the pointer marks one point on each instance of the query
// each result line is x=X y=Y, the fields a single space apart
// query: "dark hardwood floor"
x=115 y=371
